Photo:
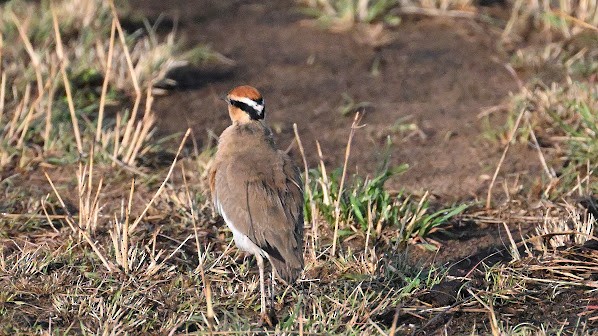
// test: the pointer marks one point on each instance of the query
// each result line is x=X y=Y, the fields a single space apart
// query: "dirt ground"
x=439 y=74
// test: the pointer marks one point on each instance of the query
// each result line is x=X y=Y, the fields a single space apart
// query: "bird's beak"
x=225 y=98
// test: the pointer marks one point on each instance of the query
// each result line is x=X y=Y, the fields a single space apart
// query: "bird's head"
x=245 y=103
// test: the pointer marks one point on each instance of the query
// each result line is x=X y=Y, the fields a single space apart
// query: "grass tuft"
x=367 y=207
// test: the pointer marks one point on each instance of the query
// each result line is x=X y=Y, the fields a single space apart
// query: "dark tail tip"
x=287 y=272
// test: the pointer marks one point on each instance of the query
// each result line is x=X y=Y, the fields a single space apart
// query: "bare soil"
x=439 y=74
x=435 y=72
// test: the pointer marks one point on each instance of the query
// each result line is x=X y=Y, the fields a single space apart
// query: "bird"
x=258 y=190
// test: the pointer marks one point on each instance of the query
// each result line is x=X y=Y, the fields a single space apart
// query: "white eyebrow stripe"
x=258 y=107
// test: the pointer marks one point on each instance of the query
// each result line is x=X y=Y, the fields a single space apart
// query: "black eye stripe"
x=241 y=105
x=253 y=113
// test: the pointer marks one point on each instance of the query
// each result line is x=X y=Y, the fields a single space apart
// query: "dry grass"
x=69 y=54
x=371 y=15
x=559 y=99
x=556 y=264
x=555 y=111
x=92 y=243
x=563 y=18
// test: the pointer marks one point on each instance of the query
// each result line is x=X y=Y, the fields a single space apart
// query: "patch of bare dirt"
x=438 y=74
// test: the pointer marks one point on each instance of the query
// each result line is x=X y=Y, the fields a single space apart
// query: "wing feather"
x=265 y=203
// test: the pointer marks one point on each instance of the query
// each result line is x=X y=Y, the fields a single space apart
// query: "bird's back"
x=259 y=190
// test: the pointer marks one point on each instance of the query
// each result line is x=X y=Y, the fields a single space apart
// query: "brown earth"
x=439 y=74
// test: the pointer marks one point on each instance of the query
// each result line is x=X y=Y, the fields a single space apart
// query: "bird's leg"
x=260 y=265
x=272 y=284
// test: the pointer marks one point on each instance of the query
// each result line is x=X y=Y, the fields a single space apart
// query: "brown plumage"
x=257 y=189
